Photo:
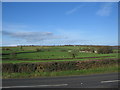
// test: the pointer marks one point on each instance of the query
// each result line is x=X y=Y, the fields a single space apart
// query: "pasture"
x=49 y=59
x=51 y=53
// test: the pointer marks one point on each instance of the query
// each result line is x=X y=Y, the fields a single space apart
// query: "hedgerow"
x=56 y=66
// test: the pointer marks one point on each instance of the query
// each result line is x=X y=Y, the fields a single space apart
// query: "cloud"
x=32 y=36
x=5 y=32
x=45 y=38
x=74 y=9
x=41 y=38
x=105 y=10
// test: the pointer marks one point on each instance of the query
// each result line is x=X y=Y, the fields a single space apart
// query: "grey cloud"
x=5 y=33
x=43 y=38
x=32 y=36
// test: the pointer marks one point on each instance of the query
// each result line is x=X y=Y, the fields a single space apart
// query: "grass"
x=47 y=53
x=105 y=69
x=30 y=61
x=53 y=55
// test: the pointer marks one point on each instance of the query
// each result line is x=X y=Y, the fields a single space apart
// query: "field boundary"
x=56 y=66
x=63 y=58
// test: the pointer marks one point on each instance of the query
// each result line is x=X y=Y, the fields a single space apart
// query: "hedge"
x=56 y=66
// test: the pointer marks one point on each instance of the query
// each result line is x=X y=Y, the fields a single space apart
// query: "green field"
x=27 y=55
x=48 y=54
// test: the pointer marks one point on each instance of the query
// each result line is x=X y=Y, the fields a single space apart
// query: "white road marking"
x=36 y=86
x=110 y=81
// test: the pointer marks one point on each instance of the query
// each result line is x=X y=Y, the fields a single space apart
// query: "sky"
x=59 y=23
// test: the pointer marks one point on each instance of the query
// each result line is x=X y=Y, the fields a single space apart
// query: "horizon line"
x=55 y=45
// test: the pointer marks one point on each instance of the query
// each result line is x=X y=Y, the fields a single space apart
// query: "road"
x=109 y=80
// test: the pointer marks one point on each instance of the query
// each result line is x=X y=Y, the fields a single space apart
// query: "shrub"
x=74 y=53
x=37 y=49
x=8 y=67
x=92 y=50
x=21 y=47
x=56 y=66
x=105 y=50
x=41 y=49
x=87 y=49
x=7 y=49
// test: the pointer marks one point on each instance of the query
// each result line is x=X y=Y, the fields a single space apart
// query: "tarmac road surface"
x=109 y=80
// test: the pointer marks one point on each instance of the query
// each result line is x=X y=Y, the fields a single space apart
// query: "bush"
x=87 y=49
x=40 y=50
x=8 y=67
x=105 y=50
x=74 y=53
x=7 y=49
x=56 y=66
x=37 y=49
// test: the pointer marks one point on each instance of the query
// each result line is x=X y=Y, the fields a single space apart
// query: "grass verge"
x=105 y=69
x=29 y=61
